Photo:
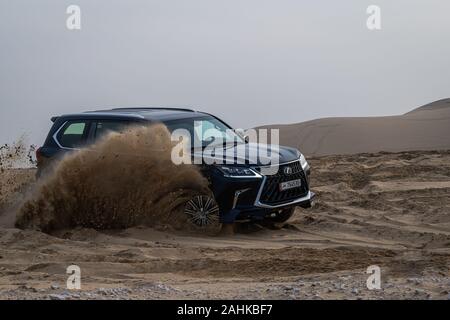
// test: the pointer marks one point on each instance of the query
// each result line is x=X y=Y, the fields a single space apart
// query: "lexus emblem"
x=287 y=170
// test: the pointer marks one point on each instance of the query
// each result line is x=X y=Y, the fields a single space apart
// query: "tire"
x=283 y=215
x=203 y=213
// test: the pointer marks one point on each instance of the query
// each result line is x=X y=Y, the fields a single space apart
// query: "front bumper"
x=247 y=198
x=304 y=202
x=260 y=213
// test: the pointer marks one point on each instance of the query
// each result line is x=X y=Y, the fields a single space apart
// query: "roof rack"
x=156 y=108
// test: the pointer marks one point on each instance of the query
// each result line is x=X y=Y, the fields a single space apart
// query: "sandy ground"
x=390 y=210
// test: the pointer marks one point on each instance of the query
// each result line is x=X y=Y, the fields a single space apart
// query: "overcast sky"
x=251 y=62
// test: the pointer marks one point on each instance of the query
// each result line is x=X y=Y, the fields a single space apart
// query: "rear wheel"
x=203 y=212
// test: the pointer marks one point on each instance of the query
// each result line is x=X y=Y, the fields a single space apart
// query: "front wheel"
x=203 y=212
x=282 y=215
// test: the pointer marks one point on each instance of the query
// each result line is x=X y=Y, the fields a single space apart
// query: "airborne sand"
x=124 y=180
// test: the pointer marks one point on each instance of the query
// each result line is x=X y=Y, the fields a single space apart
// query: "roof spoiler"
x=154 y=108
x=54 y=119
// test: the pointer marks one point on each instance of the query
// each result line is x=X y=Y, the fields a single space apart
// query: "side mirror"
x=210 y=140
x=241 y=133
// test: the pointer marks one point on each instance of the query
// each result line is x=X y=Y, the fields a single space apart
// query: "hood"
x=250 y=153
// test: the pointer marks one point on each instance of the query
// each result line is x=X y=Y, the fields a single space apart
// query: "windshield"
x=206 y=131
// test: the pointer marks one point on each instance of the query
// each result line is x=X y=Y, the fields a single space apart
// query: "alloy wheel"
x=202 y=211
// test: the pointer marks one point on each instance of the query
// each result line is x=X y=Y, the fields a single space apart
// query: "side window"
x=73 y=134
x=104 y=127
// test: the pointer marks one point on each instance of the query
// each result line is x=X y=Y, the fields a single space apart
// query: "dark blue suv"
x=241 y=191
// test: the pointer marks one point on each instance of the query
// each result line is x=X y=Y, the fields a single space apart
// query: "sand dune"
x=424 y=128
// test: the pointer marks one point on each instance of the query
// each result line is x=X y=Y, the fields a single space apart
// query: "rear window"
x=73 y=134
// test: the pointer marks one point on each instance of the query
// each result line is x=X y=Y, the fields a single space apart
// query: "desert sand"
x=424 y=128
x=385 y=209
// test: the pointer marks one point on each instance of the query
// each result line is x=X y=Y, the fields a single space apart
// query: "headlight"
x=237 y=172
x=303 y=162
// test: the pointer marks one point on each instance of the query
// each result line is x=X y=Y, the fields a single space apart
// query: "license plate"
x=290 y=184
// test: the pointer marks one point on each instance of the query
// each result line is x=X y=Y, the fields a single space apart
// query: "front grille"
x=271 y=193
